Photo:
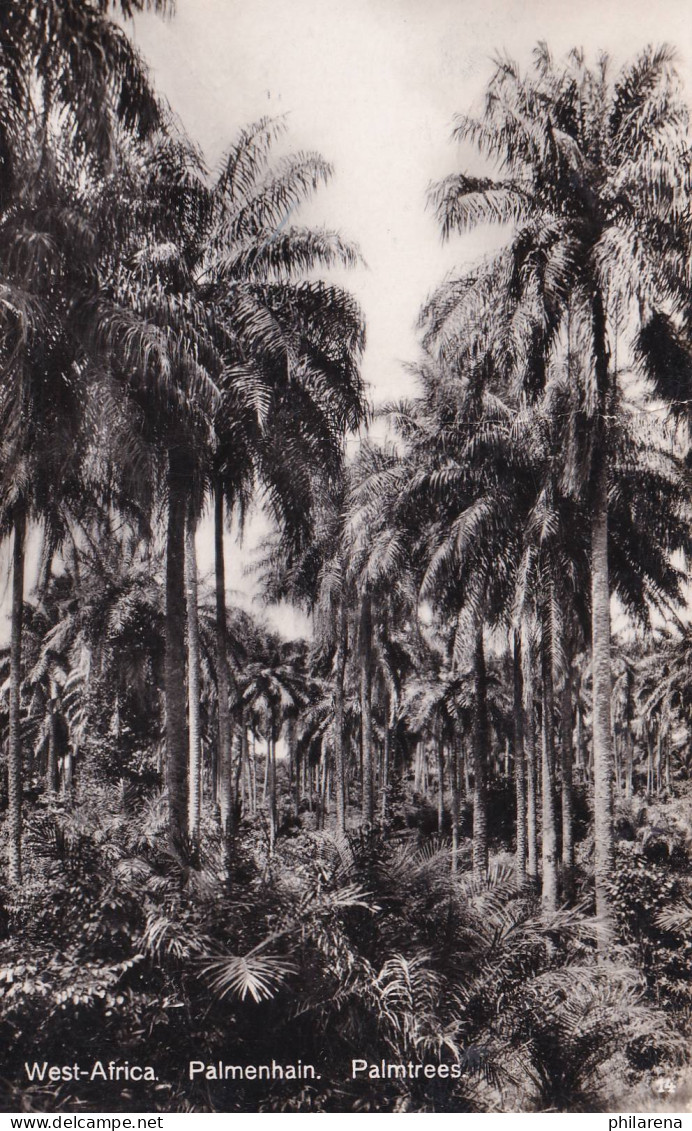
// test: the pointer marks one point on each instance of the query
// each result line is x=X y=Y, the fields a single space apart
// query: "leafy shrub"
x=643 y=891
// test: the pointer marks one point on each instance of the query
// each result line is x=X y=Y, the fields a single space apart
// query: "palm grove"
x=453 y=826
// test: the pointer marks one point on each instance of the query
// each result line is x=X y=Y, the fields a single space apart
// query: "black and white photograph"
x=346 y=557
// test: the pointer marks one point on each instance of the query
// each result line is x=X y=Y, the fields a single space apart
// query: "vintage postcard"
x=346 y=515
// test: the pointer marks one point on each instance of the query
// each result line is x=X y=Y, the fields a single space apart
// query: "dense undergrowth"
x=366 y=947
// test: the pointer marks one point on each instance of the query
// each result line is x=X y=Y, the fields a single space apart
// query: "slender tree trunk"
x=440 y=783
x=629 y=753
x=602 y=737
x=213 y=773
x=480 y=755
x=600 y=636
x=649 y=762
x=293 y=762
x=386 y=757
x=580 y=762
x=519 y=766
x=236 y=797
x=549 y=890
x=327 y=788
x=322 y=792
x=366 y=708
x=531 y=772
x=296 y=785
x=253 y=774
x=176 y=719
x=45 y=565
x=52 y=759
x=223 y=682
x=245 y=793
x=418 y=768
x=339 y=743
x=454 y=783
x=194 y=685
x=14 y=775
x=618 y=774
x=567 y=794
x=271 y=772
x=245 y=744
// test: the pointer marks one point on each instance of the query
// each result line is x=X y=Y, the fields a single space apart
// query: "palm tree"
x=595 y=198
x=242 y=353
x=384 y=581
x=519 y=728
x=441 y=705
x=43 y=393
x=528 y=667
x=106 y=625
x=291 y=385
x=276 y=689
x=435 y=510
x=69 y=72
x=489 y=479
x=194 y=689
x=552 y=575
x=71 y=66
x=317 y=580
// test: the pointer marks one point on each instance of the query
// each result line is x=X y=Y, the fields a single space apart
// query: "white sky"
x=373 y=85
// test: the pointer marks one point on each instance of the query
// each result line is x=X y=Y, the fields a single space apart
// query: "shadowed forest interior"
x=452 y=826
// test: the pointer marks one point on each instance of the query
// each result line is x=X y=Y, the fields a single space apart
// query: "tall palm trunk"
x=567 y=792
x=580 y=759
x=629 y=763
x=519 y=766
x=600 y=637
x=271 y=788
x=602 y=737
x=297 y=792
x=628 y=739
x=193 y=687
x=480 y=754
x=386 y=755
x=649 y=762
x=549 y=888
x=176 y=720
x=339 y=752
x=366 y=664
x=531 y=782
x=246 y=790
x=52 y=755
x=323 y=792
x=418 y=767
x=454 y=783
x=440 y=782
x=14 y=769
x=252 y=756
x=293 y=762
x=225 y=749
x=236 y=795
